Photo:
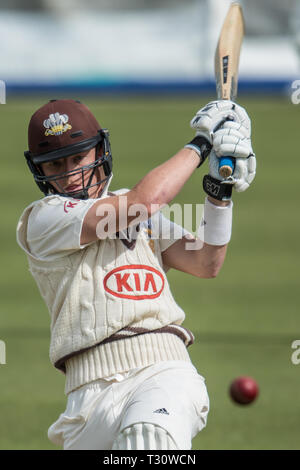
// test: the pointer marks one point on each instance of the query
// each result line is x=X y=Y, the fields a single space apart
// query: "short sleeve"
x=54 y=226
x=167 y=231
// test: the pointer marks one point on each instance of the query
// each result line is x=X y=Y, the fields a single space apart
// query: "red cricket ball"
x=243 y=390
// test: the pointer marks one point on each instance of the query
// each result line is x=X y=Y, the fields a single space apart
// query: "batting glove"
x=212 y=117
x=232 y=139
x=215 y=113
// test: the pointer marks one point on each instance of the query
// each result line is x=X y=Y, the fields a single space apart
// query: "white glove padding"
x=232 y=140
x=215 y=113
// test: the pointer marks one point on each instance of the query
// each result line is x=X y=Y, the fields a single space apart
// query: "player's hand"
x=210 y=118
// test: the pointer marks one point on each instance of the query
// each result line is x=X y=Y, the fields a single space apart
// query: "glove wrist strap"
x=201 y=146
x=216 y=188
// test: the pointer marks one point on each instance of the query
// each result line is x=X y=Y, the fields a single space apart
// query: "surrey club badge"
x=56 y=124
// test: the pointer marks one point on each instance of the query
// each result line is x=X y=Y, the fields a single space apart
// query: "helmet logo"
x=56 y=124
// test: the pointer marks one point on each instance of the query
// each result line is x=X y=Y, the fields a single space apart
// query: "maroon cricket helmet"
x=64 y=128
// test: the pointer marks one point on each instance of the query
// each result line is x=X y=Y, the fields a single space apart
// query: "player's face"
x=73 y=182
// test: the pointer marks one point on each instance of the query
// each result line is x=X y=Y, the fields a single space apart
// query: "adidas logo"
x=162 y=411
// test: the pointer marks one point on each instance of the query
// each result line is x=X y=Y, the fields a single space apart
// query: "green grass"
x=244 y=321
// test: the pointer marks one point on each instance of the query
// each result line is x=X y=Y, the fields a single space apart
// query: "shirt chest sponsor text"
x=135 y=282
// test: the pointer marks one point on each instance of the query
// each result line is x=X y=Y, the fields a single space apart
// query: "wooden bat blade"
x=228 y=53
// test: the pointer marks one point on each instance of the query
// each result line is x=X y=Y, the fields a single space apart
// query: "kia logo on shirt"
x=70 y=205
x=135 y=281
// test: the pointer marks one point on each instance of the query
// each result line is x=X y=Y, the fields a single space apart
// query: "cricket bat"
x=226 y=66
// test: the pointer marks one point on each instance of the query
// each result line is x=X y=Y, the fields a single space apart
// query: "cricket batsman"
x=100 y=258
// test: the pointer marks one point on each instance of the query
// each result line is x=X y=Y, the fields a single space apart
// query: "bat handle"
x=226 y=166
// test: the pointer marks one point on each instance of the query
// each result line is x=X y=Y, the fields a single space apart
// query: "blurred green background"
x=244 y=321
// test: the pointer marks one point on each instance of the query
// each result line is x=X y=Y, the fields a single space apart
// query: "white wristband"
x=195 y=148
x=216 y=223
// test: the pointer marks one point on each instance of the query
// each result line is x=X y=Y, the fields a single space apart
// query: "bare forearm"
x=205 y=256
x=211 y=257
x=204 y=262
x=164 y=182
x=153 y=191
x=209 y=260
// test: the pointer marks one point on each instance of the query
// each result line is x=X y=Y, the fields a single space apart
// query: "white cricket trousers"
x=170 y=394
